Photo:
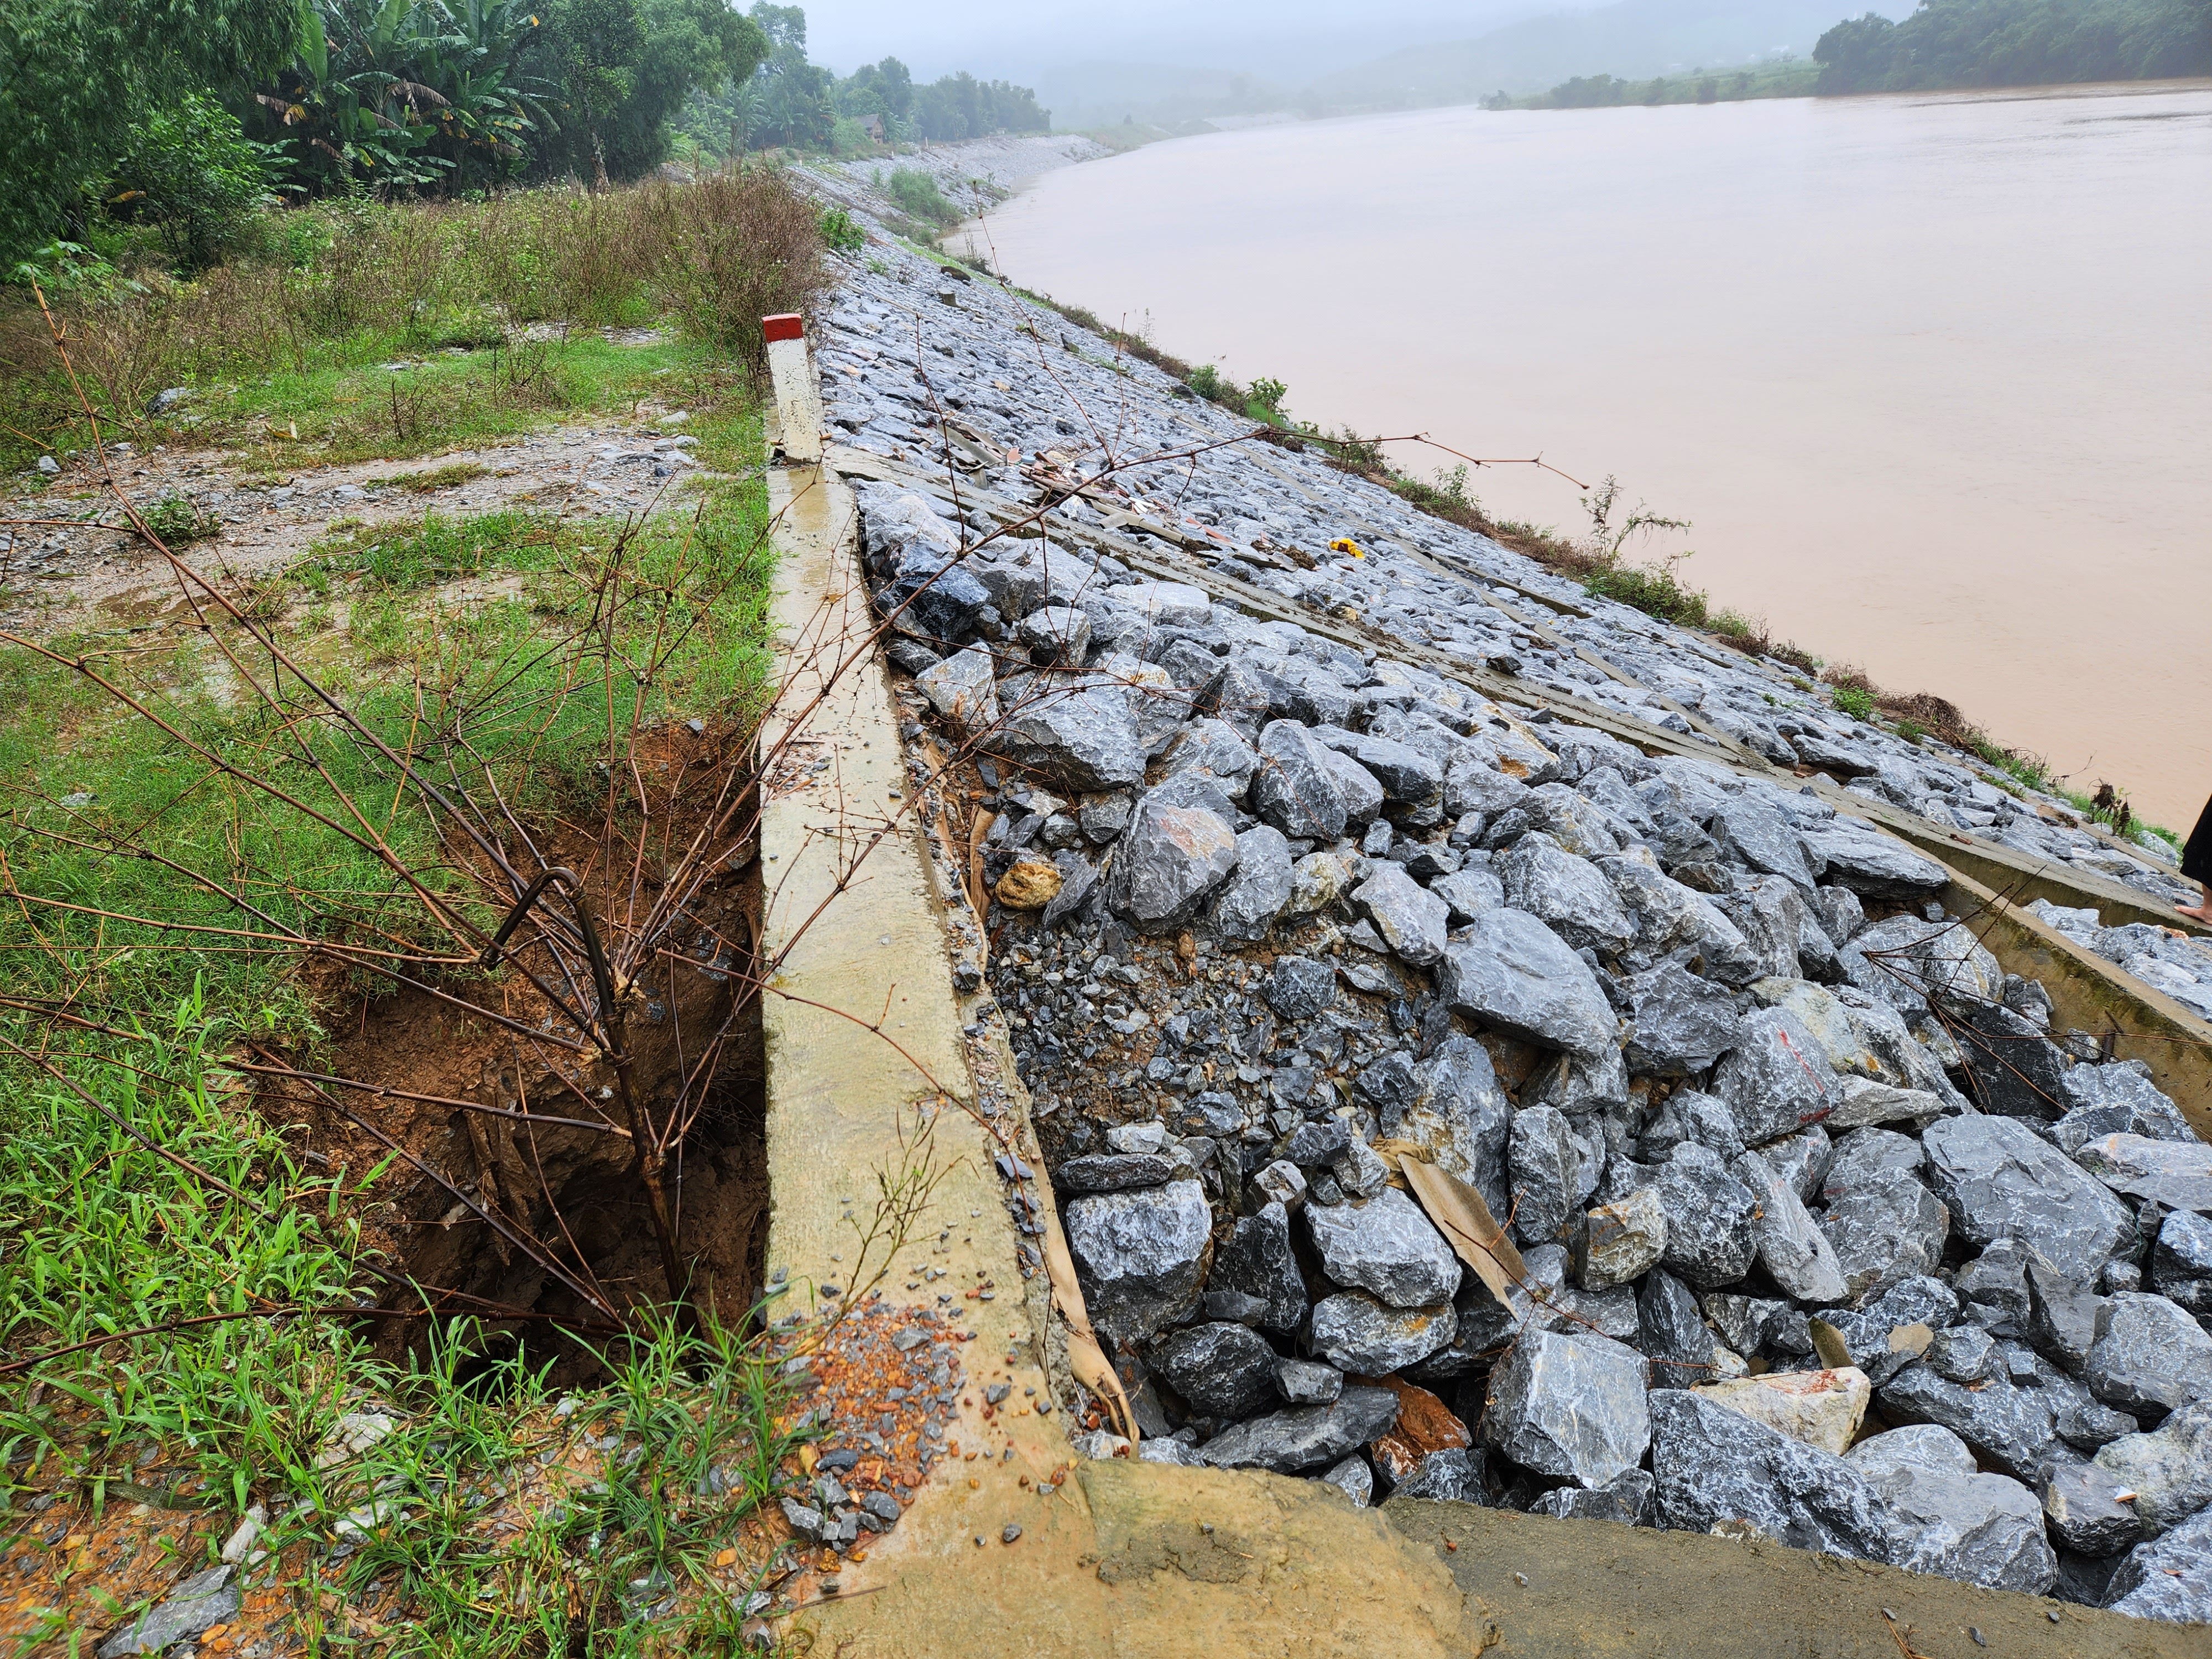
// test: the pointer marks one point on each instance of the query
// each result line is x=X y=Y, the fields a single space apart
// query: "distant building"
x=873 y=126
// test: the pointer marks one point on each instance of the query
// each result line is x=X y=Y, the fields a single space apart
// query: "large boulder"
x=1709 y=1218
x=1681 y=1024
x=1853 y=854
x=1385 y=1245
x=1567 y=893
x=2001 y=1179
x=1885 y=1227
x=1295 y=786
x=1260 y=887
x=1776 y=1079
x=1822 y=1408
x=2148 y=1357
x=1508 y=971
x=1170 y=857
x=1546 y=1165
x=2010 y=1426
x=1459 y=1116
x=1411 y=920
x=1718 y=1472
x=1222 y=1370
x=1569 y=1405
x=1796 y=1254
x=1305 y=1437
x=1141 y=1256
x=1359 y=1333
x=2174 y=1175
x=2169 y=1578
x=1257 y=1260
x=1080 y=741
x=1953 y=1520
x=2168 y=1469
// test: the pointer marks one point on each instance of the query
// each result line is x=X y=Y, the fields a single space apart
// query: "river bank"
x=1939 y=480
x=1335 y=867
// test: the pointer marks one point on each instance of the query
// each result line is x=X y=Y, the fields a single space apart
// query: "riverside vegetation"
x=450 y=564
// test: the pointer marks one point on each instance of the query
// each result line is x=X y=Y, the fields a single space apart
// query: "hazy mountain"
x=1634 y=38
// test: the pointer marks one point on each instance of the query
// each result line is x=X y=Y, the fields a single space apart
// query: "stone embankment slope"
x=1375 y=861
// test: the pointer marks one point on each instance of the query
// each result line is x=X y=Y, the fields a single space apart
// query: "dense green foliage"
x=1787 y=78
x=77 y=76
x=188 y=171
x=2005 y=43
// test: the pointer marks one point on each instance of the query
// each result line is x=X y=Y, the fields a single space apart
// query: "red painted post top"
x=785 y=326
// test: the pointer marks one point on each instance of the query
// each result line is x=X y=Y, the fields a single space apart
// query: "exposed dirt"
x=511 y=1217
x=1593 y=1590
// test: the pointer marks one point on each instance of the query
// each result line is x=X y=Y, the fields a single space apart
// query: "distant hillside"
x=1634 y=38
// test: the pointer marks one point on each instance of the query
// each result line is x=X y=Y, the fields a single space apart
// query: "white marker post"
x=798 y=399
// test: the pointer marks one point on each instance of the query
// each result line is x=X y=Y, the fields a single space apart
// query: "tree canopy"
x=2003 y=43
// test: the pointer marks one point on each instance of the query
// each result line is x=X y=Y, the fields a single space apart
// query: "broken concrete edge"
x=2087 y=993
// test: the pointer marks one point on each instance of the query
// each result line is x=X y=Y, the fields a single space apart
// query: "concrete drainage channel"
x=2007 y=1385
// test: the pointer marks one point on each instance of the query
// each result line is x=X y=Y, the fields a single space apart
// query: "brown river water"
x=1931 y=376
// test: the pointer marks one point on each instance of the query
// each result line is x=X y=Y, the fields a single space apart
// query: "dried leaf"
x=1085 y=1356
x=1461 y=1215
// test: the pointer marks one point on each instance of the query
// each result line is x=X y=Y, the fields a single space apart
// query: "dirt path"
x=56 y=576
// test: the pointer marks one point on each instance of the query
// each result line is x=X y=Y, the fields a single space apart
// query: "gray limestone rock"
x=1411 y=920
x=1883 y=1229
x=201 y=1601
x=2017 y=1069
x=1363 y=795
x=1903 y=959
x=1672 y=1334
x=961 y=687
x=1755 y=835
x=1356 y=1333
x=1299 y=988
x=1796 y=1254
x=2001 y=1179
x=1295 y=786
x=1950 y=1519
x=2168 y=1469
x=1222 y=1370
x=1115 y=1172
x=1708 y=1242
x=1305 y=1437
x=1569 y=1405
x=2150 y=1357
x=1852 y=854
x=1544 y=1164
x=1405 y=772
x=1630 y=1498
x=2063 y=1318
x=1691 y=1115
x=1141 y=1256
x=1473 y=783
x=1056 y=633
x=1508 y=971
x=2115 y=1099
x=1681 y=1024
x=1776 y=1079
x=2181 y=1262
x=1770 y=911
x=2081 y=1502
x=1303 y=1383
x=1719 y=1472
x=1354 y=1480
x=1467 y=893
x=1802 y=1159
x=1259 y=888
x=1385 y=1245
x=1620 y=1243
x=1454 y=1475
x=2012 y=1427
x=1675 y=923
x=1257 y=1260
x=1459 y=1115
x=2175 y=1175
x=1169 y=859
x=1962 y=1353
x=1082 y=741
x=1569 y=894
x=2169 y=1578
x=1214 y=750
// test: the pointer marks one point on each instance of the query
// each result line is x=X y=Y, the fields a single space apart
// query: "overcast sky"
x=1293 y=40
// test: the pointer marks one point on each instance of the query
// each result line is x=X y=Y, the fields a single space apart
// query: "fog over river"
x=1932 y=375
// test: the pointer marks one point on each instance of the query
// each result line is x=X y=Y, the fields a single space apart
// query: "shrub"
x=841 y=232
x=918 y=197
x=190 y=172
x=1857 y=704
x=176 y=520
